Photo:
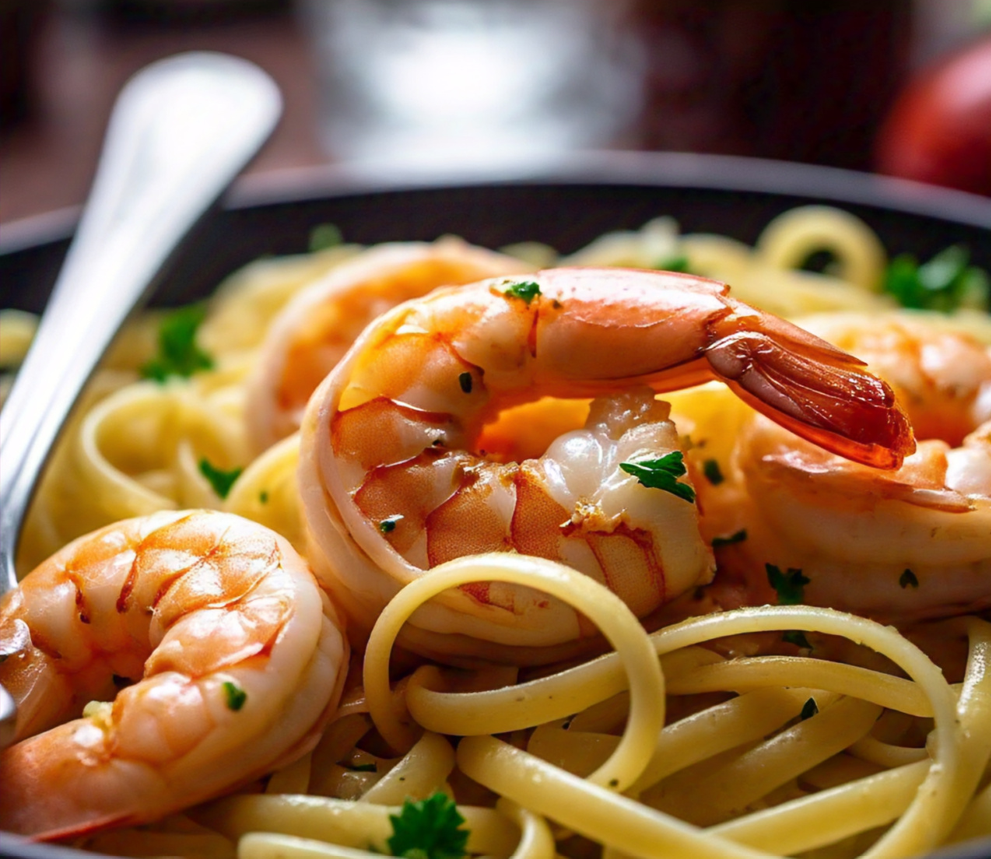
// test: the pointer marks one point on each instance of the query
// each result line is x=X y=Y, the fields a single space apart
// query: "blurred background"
x=898 y=86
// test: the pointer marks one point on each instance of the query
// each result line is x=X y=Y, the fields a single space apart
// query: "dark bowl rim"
x=730 y=173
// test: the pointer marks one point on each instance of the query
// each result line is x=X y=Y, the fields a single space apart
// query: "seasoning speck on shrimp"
x=230 y=655
x=394 y=480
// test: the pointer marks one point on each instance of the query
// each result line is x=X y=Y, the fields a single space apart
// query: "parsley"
x=387 y=526
x=236 y=696
x=662 y=473
x=428 y=829
x=325 y=236
x=677 y=263
x=908 y=578
x=363 y=768
x=220 y=480
x=797 y=638
x=465 y=381
x=712 y=472
x=738 y=537
x=944 y=283
x=263 y=497
x=178 y=354
x=809 y=710
x=527 y=290
x=790 y=585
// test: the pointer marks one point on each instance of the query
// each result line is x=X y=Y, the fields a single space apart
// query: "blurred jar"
x=462 y=81
x=804 y=80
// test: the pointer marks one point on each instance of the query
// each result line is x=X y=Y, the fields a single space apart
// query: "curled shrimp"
x=315 y=329
x=395 y=478
x=904 y=545
x=230 y=655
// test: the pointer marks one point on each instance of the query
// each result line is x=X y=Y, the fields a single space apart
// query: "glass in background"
x=451 y=82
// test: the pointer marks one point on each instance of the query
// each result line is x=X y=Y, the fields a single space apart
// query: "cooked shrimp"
x=230 y=655
x=394 y=481
x=316 y=328
x=901 y=545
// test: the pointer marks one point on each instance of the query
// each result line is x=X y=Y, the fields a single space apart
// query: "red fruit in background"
x=939 y=129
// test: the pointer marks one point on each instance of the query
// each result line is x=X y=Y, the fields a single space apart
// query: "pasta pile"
x=697 y=739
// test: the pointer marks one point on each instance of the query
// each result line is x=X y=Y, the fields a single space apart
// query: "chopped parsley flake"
x=944 y=283
x=908 y=579
x=789 y=585
x=738 y=537
x=662 y=473
x=325 y=236
x=220 y=480
x=465 y=381
x=528 y=290
x=677 y=263
x=809 y=709
x=797 y=638
x=712 y=472
x=387 y=526
x=236 y=696
x=263 y=497
x=178 y=354
x=428 y=829
x=363 y=768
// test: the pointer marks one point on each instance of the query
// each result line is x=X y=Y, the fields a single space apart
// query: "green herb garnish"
x=713 y=473
x=528 y=290
x=797 y=638
x=363 y=768
x=677 y=263
x=428 y=829
x=945 y=283
x=324 y=236
x=178 y=354
x=662 y=473
x=387 y=526
x=809 y=709
x=465 y=381
x=236 y=696
x=789 y=585
x=908 y=579
x=220 y=480
x=263 y=497
x=738 y=537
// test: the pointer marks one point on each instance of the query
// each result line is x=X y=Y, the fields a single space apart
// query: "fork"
x=181 y=130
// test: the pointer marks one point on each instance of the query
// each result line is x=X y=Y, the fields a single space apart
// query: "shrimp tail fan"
x=810 y=387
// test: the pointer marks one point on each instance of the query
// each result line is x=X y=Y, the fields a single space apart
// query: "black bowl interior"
x=566 y=205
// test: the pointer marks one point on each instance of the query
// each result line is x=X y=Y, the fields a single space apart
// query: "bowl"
x=566 y=204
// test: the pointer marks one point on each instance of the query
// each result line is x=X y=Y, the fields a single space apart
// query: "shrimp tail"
x=812 y=388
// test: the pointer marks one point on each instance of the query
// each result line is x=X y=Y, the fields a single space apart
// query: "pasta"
x=717 y=727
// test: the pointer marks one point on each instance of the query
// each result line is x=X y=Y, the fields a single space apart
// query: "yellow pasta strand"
x=350 y=824
x=600 y=605
x=420 y=773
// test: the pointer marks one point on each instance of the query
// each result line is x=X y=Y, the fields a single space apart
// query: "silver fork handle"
x=180 y=132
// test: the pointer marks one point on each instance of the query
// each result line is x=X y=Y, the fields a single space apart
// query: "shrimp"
x=316 y=328
x=230 y=655
x=904 y=545
x=394 y=479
